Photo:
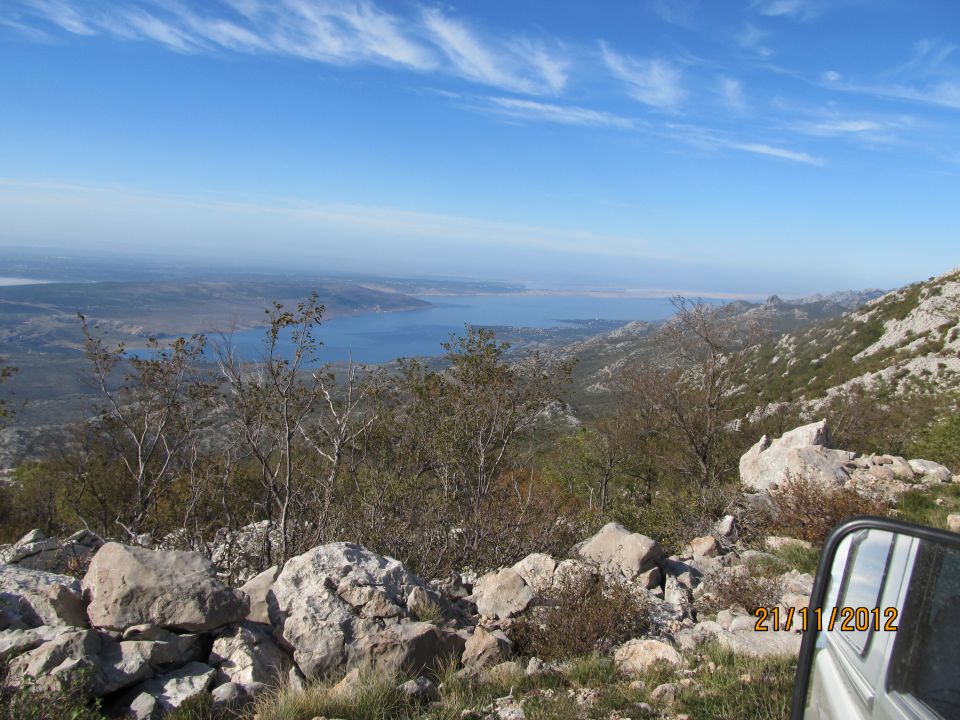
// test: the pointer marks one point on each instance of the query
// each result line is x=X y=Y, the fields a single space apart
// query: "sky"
x=753 y=146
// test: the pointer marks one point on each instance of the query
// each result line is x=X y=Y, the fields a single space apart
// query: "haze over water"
x=381 y=337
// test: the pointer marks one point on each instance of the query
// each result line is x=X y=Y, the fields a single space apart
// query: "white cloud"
x=754 y=39
x=799 y=9
x=777 y=152
x=562 y=114
x=654 y=82
x=330 y=31
x=731 y=91
x=520 y=66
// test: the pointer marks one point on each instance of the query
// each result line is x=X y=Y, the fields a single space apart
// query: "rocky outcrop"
x=503 y=594
x=32 y=598
x=36 y=551
x=171 y=589
x=618 y=552
x=337 y=605
x=804 y=453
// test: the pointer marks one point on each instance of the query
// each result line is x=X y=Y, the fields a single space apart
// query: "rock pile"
x=805 y=452
x=149 y=629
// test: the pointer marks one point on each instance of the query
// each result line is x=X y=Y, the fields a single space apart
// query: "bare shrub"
x=805 y=509
x=726 y=590
x=587 y=615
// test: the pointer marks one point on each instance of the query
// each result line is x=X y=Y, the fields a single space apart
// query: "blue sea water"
x=381 y=337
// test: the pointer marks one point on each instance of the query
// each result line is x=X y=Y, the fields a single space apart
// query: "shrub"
x=731 y=589
x=68 y=702
x=585 y=616
x=805 y=509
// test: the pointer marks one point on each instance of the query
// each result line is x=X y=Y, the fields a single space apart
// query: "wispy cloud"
x=655 y=82
x=798 y=9
x=489 y=65
x=752 y=38
x=561 y=114
x=682 y=13
x=928 y=76
x=339 y=32
x=777 y=152
x=731 y=92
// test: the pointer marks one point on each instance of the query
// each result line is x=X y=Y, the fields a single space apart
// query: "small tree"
x=685 y=395
x=6 y=371
x=297 y=426
x=146 y=419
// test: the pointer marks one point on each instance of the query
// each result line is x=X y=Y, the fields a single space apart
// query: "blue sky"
x=750 y=146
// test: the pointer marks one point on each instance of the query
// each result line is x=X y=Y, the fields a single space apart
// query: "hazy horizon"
x=765 y=146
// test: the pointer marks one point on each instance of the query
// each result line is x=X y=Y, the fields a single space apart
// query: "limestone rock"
x=248 y=655
x=619 y=552
x=420 y=690
x=931 y=471
x=17 y=642
x=706 y=546
x=636 y=656
x=41 y=598
x=414 y=647
x=122 y=664
x=65 y=653
x=953 y=523
x=258 y=589
x=320 y=605
x=174 y=688
x=761 y=644
x=777 y=542
x=503 y=594
x=765 y=463
x=486 y=647
x=537 y=571
x=171 y=589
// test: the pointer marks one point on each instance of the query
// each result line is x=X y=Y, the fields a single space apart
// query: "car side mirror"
x=882 y=631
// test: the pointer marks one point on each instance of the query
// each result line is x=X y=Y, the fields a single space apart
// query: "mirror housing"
x=901 y=560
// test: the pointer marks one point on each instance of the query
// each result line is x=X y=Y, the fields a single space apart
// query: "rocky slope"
x=906 y=340
x=147 y=630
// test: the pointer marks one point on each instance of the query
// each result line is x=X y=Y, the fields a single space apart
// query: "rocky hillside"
x=602 y=357
x=614 y=629
x=906 y=340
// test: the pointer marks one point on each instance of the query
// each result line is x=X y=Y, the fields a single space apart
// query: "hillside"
x=907 y=340
x=602 y=357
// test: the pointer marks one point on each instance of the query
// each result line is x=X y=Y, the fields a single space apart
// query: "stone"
x=172 y=689
x=248 y=654
x=420 y=690
x=761 y=644
x=144 y=707
x=167 y=649
x=619 y=552
x=123 y=664
x=650 y=579
x=42 y=598
x=570 y=572
x=505 y=672
x=347 y=685
x=636 y=656
x=257 y=589
x=413 y=648
x=54 y=555
x=486 y=647
x=726 y=527
x=953 y=523
x=931 y=471
x=706 y=546
x=229 y=694
x=55 y=658
x=501 y=595
x=774 y=543
x=17 y=642
x=664 y=694
x=172 y=589
x=328 y=633
x=537 y=571
x=692 y=638
x=763 y=464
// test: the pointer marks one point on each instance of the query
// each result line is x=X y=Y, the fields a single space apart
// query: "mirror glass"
x=888 y=634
